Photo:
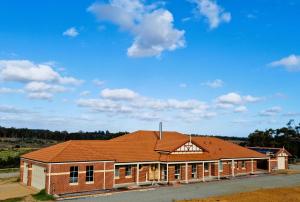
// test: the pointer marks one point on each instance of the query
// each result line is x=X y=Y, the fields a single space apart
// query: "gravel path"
x=201 y=190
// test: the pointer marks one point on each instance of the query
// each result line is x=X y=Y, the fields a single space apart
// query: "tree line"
x=25 y=133
x=287 y=137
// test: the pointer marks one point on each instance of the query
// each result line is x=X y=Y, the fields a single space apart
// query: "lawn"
x=290 y=194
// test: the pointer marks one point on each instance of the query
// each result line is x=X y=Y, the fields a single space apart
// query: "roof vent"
x=160 y=130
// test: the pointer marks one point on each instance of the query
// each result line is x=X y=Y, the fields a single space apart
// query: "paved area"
x=201 y=190
x=14 y=190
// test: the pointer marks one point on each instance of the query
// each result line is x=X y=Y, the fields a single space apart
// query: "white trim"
x=90 y=182
x=104 y=180
x=167 y=173
x=133 y=163
x=252 y=169
x=73 y=184
x=219 y=170
x=242 y=158
x=203 y=172
x=49 y=178
x=186 y=173
x=232 y=167
x=137 y=173
x=71 y=162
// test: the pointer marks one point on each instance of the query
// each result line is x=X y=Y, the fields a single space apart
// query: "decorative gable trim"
x=188 y=148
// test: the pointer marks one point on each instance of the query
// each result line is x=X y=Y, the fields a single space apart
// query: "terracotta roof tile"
x=140 y=146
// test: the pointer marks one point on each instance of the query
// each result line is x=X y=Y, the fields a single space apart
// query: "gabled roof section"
x=270 y=150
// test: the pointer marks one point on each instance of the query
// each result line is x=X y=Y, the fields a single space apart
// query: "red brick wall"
x=60 y=177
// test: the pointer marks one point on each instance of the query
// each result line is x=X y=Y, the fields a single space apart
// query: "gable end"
x=188 y=148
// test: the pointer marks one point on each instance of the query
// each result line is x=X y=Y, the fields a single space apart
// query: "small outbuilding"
x=278 y=156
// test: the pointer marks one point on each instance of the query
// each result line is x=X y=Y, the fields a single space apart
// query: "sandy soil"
x=290 y=194
x=9 y=188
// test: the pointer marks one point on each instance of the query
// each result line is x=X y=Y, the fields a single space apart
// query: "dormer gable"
x=188 y=148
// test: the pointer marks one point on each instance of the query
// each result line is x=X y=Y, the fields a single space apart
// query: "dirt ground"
x=10 y=188
x=290 y=194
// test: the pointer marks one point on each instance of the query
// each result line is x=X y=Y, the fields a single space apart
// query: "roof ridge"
x=63 y=149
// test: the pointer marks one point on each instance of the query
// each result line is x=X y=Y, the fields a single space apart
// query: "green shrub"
x=43 y=196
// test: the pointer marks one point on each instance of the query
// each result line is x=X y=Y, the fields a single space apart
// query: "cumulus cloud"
x=218 y=83
x=71 y=32
x=118 y=94
x=5 y=90
x=85 y=93
x=273 y=111
x=240 y=109
x=10 y=109
x=27 y=71
x=98 y=82
x=152 y=27
x=147 y=108
x=40 y=81
x=214 y=13
x=291 y=63
x=232 y=99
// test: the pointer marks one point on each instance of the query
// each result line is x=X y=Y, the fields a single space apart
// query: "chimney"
x=160 y=130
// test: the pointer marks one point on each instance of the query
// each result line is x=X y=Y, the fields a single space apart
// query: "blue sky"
x=223 y=67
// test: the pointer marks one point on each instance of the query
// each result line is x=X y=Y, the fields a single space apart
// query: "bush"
x=43 y=196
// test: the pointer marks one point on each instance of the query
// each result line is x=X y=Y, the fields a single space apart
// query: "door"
x=153 y=172
x=281 y=162
x=38 y=177
x=25 y=173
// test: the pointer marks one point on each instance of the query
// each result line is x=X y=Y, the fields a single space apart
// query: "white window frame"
x=221 y=165
x=74 y=175
x=177 y=172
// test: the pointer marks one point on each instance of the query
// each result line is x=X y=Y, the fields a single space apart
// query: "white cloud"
x=291 y=63
x=40 y=95
x=44 y=87
x=273 y=111
x=41 y=80
x=126 y=101
x=251 y=99
x=214 y=13
x=118 y=94
x=98 y=82
x=85 y=93
x=218 y=83
x=10 y=109
x=71 y=32
x=5 y=90
x=103 y=105
x=27 y=71
x=183 y=85
x=152 y=27
x=240 y=109
x=232 y=99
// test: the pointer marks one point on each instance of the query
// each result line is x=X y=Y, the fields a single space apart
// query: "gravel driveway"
x=200 y=190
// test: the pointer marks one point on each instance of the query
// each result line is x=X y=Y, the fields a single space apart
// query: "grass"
x=43 y=196
x=5 y=154
x=291 y=194
x=9 y=170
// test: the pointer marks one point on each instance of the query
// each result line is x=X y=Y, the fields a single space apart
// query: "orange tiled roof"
x=141 y=146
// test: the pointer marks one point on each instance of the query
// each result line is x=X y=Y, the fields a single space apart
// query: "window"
x=206 y=166
x=194 y=171
x=243 y=164
x=73 y=174
x=117 y=171
x=128 y=171
x=89 y=174
x=177 y=172
x=221 y=165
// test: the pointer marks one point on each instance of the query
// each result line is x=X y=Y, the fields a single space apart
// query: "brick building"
x=278 y=157
x=139 y=158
